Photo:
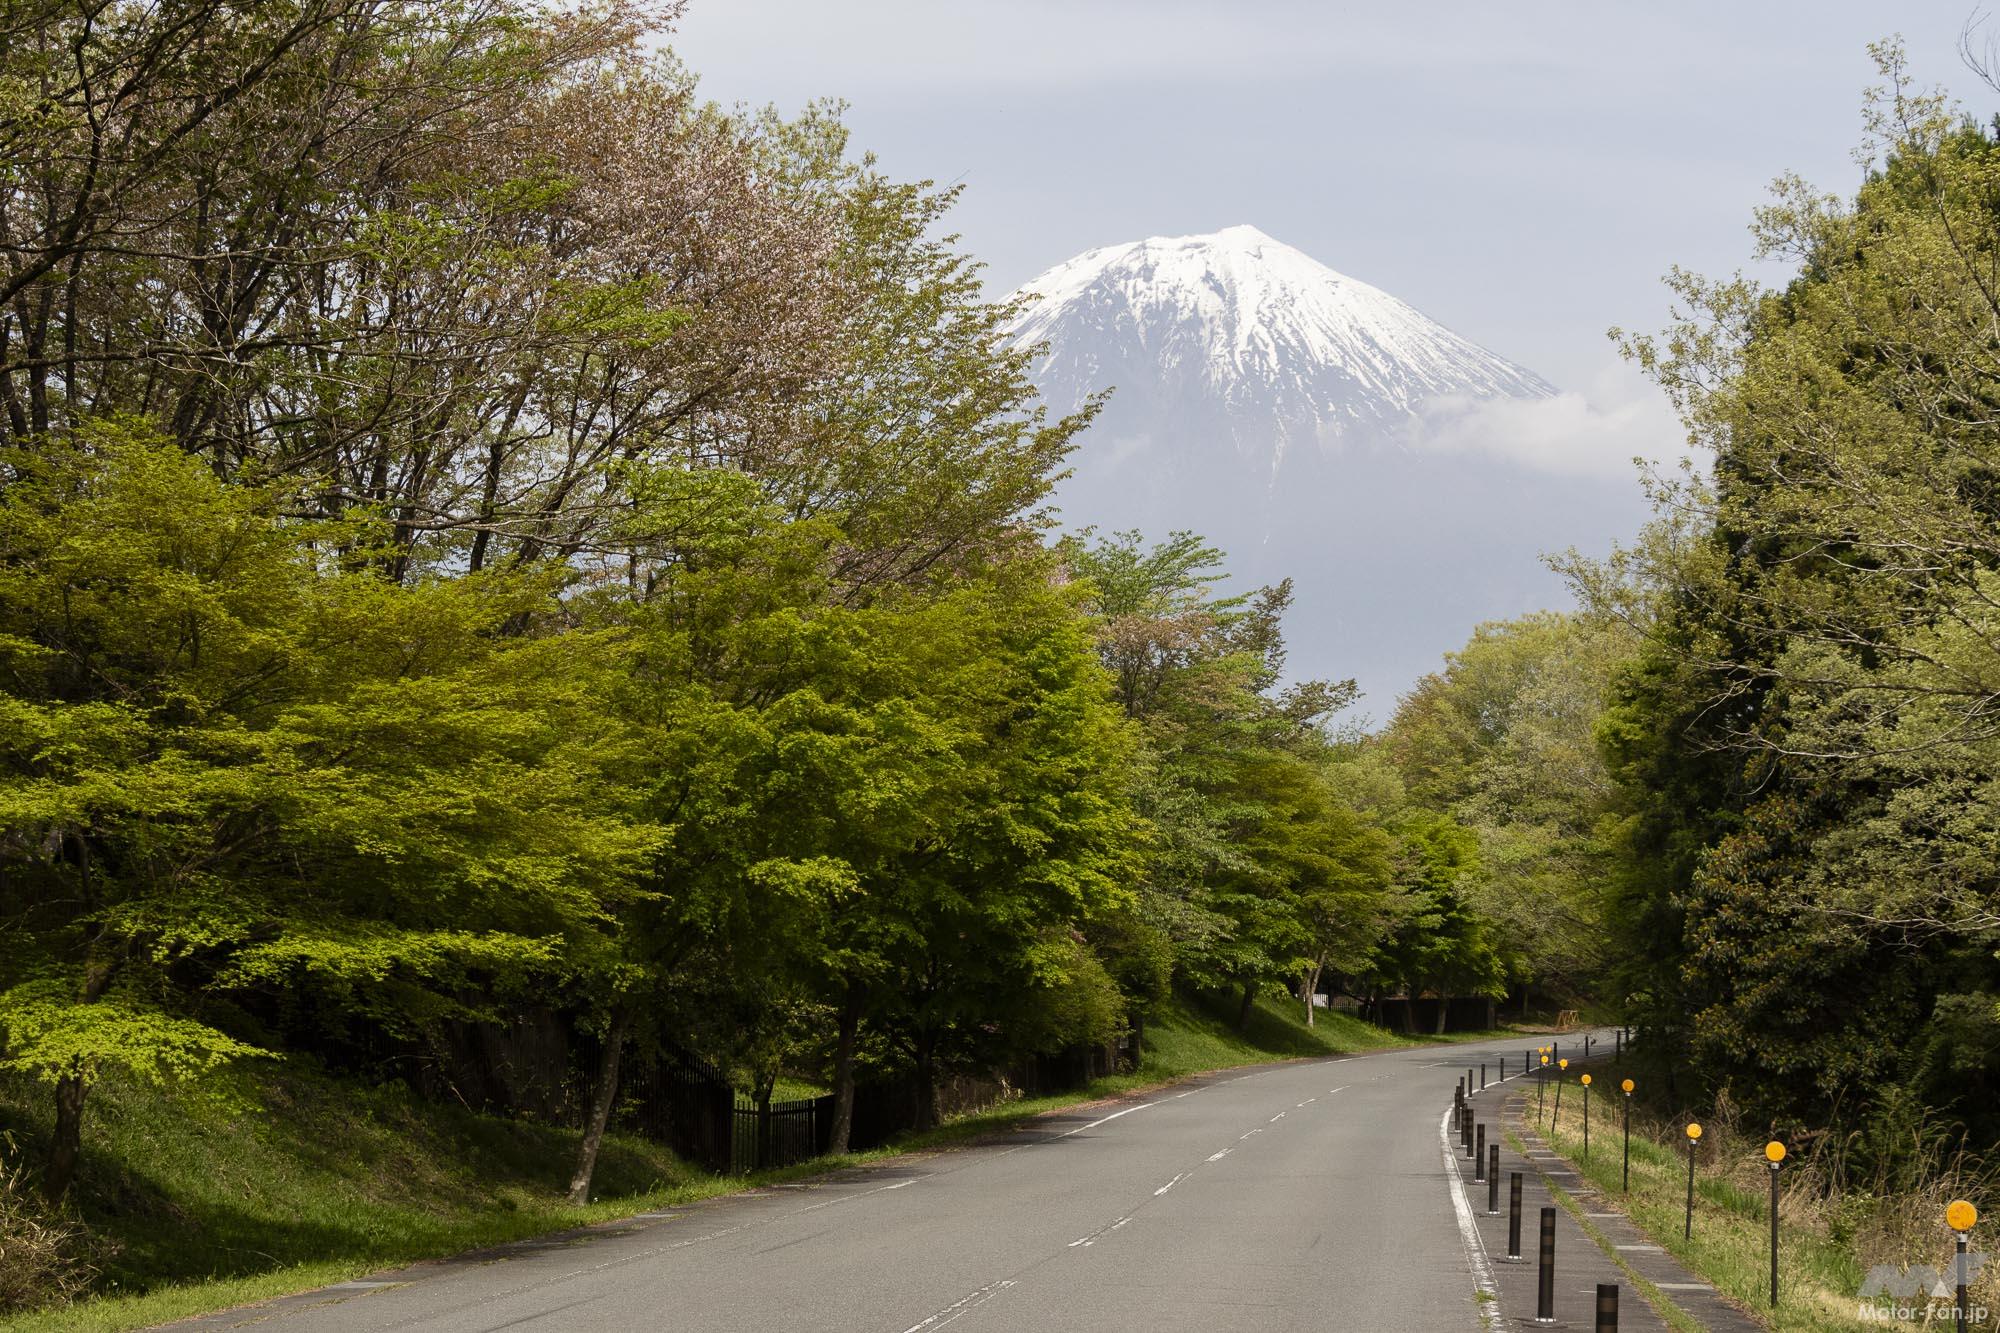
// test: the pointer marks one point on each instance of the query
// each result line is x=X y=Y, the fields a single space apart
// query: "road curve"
x=1303 y=1196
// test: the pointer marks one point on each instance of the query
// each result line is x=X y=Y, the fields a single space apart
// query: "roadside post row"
x=1960 y=1215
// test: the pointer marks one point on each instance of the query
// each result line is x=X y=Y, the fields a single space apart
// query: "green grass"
x=201 y=1206
x=1818 y=1279
x=1197 y=1034
x=209 y=1206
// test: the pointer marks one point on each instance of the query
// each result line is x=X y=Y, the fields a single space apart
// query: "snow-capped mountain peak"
x=1243 y=325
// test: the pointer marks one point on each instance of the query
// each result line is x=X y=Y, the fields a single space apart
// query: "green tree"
x=1505 y=740
x=1802 y=744
x=231 y=769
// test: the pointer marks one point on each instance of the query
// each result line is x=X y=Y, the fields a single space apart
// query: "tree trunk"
x=1410 y=1011
x=600 y=1110
x=927 y=1091
x=1249 y=999
x=1138 y=1037
x=843 y=1078
x=1444 y=1008
x=1310 y=992
x=67 y=1144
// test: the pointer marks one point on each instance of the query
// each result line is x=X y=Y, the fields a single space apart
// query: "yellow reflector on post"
x=1628 y=1085
x=1961 y=1216
x=1694 y=1130
x=1775 y=1151
x=1586 y=1080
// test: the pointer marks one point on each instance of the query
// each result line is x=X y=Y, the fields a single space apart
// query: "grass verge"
x=1662 y=1304
x=200 y=1205
x=1819 y=1276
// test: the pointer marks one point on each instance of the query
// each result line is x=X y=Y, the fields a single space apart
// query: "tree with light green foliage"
x=1259 y=872
x=1504 y=740
x=232 y=766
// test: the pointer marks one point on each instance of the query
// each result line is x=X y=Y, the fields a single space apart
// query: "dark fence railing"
x=780 y=1134
x=686 y=1103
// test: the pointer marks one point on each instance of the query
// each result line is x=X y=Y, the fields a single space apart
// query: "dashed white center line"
x=1216 y=1157
x=1093 y=1237
x=1342 y=1088
x=1307 y=1102
x=1276 y=1118
x=961 y=1306
x=1241 y=1137
x=1170 y=1184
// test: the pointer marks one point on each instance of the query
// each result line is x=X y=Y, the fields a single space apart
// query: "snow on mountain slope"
x=1235 y=323
x=1317 y=428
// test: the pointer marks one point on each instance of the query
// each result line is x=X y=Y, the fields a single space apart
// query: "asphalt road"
x=1302 y=1196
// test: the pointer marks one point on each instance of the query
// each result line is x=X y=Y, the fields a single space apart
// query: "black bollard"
x=1467 y=1135
x=1514 y=1216
x=1479 y=1152
x=1503 y=1069
x=1493 y=1180
x=1482 y=1076
x=1607 y=1307
x=1545 y=1286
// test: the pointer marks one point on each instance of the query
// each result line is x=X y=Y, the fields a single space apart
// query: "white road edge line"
x=1468 y=1230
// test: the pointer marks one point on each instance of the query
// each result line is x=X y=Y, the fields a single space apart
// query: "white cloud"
x=1597 y=433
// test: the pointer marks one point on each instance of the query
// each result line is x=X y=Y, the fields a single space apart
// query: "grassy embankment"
x=198 y=1205
x=1827 y=1239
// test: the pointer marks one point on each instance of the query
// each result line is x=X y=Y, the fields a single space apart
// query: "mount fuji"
x=1292 y=415
x=1246 y=328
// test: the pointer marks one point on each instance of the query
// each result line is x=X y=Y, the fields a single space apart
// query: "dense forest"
x=1803 y=743
x=490 y=541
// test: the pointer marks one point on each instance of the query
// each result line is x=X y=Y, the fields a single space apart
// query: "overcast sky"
x=1522 y=172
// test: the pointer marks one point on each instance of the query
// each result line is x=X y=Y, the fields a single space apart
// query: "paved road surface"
x=1305 y=1196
